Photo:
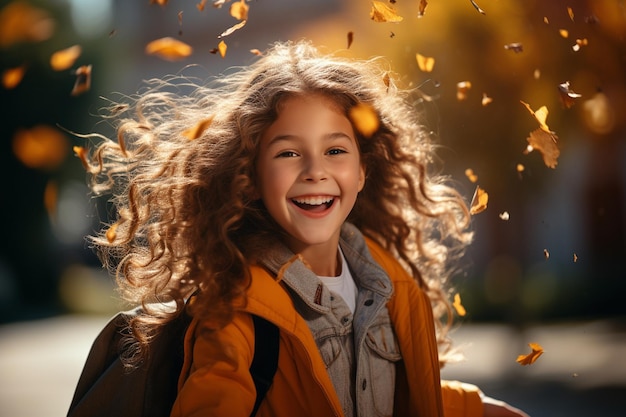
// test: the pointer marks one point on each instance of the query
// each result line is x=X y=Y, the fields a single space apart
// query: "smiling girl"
x=259 y=195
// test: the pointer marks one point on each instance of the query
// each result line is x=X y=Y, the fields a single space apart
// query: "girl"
x=263 y=195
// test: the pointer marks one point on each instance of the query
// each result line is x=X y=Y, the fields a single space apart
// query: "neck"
x=323 y=260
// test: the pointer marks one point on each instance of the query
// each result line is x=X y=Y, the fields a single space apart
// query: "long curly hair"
x=181 y=177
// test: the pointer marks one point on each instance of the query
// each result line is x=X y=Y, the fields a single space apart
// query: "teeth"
x=313 y=201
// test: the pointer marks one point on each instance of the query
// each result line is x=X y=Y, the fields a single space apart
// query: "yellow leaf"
x=239 y=10
x=169 y=49
x=365 y=119
x=196 y=131
x=570 y=13
x=64 y=59
x=382 y=13
x=479 y=201
x=425 y=63
x=486 y=100
x=13 y=76
x=460 y=310
x=531 y=357
x=541 y=115
x=469 y=173
x=564 y=33
x=222 y=47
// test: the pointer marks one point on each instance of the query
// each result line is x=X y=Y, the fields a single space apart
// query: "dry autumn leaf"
x=460 y=310
x=64 y=59
x=568 y=97
x=21 y=22
x=83 y=80
x=564 y=33
x=531 y=357
x=504 y=216
x=486 y=100
x=231 y=29
x=350 y=39
x=40 y=147
x=12 y=77
x=365 y=119
x=81 y=153
x=462 y=89
x=425 y=63
x=239 y=10
x=221 y=48
x=382 y=13
x=169 y=49
x=196 y=131
x=546 y=254
x=469 y=173
x=546 y=144
x=479 y=201
x=111 y=233
x=570 y=13
x=516 y=47
x=422 y=8
x=477 y=7
x=256 y=52
x=579 y=43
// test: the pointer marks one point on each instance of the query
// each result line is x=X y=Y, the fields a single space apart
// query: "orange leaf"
x=365 y=119
x=382 y=13
x=425 y=63
x=239 y=10
x=13 y=76
x=469 y=173
x=570 y=13
x=460 y=310
x=546 y=143
x=350 y=39
x=422 y=8
x=564 y=33
x=169 y=49
x=111 y=233
x=486 y=100
x=41 y=147
x=83 y=80
x=462 y=88
x=82 y=154
x=256 y=52
x=196 y=131
x=530 y=358
x=222 y=47
x=64 y=59
x=567 y=95
x=21 y=22
x=232 y=29
x=479 y=201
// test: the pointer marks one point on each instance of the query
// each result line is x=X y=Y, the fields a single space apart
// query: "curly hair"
x=181 y=177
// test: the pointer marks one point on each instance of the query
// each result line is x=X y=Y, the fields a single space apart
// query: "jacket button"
x=369 y=302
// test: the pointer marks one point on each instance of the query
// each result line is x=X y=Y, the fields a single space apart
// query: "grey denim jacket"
x=360 y=351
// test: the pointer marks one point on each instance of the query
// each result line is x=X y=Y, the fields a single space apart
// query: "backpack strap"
x=265 y=361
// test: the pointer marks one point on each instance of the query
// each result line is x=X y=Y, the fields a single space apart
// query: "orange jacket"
x=215 y=380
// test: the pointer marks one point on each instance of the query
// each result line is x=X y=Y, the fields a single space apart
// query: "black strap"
x=265 y=362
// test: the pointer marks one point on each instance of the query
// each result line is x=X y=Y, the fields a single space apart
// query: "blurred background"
x=548 y=264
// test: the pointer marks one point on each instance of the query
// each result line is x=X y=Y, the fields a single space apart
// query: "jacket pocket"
x=383 y=355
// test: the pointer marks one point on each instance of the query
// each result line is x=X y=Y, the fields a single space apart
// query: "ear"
x=361 y=177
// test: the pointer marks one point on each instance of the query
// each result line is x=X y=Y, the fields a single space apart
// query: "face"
x=309 y=171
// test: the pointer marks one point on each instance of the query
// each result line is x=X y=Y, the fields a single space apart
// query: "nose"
x=314 y=170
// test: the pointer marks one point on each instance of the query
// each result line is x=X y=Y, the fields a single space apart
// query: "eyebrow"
x=328 y=136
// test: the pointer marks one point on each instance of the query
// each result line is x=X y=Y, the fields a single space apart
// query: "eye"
x=286 y=154
x=336 y=151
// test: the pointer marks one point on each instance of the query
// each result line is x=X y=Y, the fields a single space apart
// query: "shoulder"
x=388 y=262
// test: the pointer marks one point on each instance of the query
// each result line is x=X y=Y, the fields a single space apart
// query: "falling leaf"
x=460 y=310
x=196 y=131
x=382 y=13
x=520 y=168
x=546 y=144
x=169 y=49
x=564 y=33
x=504 y=216
x=422 y=8
x=350 y=39
x=64 y=59
x=21 y=22
x=111 y=233
x=13 y=76
x=41 y=147
x=567 y=96
x=515 y=47
x=200 y=6
x=570 y=13
x=239 y=10
x=256 y=52
x=580 y=43
x=50 y=197
x=530 y=358
x=365 y=119
x=545 y=20
x=222 y=47
x=479 y=201
x=81 y=153
x=546 y=254
x=469 y=173
x=159 y=2
x=462 y=88
x=425 y=63
x=486 y=100
x=541 y=115
x=575 y=258
x=481 y=11
x=232 y=29
x=83 y=80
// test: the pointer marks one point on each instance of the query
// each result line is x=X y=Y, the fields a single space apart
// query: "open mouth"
x=314 y=204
